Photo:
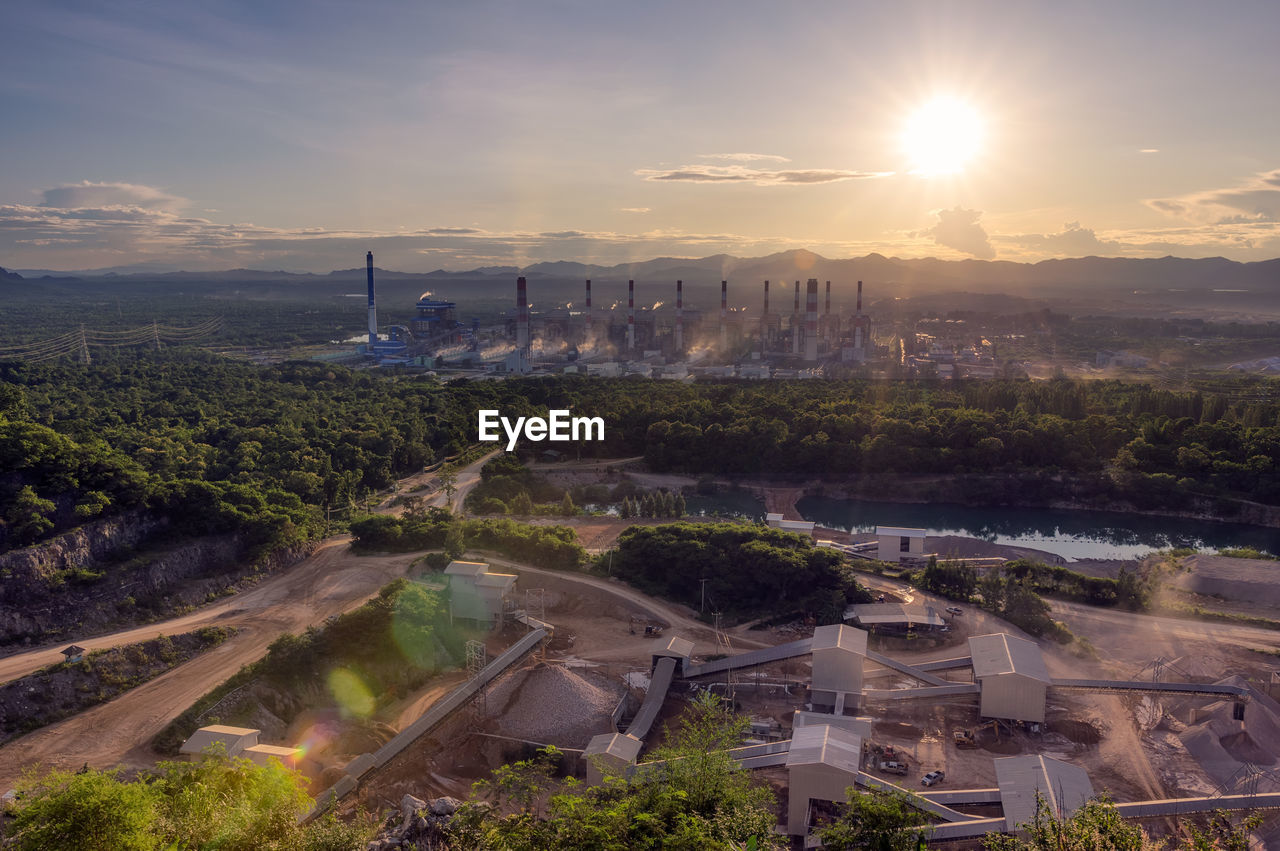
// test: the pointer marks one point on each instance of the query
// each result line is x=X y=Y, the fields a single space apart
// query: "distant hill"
x=6 y=275
x=1150 y=282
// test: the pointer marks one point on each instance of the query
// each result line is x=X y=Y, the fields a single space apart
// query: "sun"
x=942 y=136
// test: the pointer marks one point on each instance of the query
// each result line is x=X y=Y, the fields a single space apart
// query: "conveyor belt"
x=945 y=664
x=1237 y=693
x=663 y=673
x=949 y=690
x=932 y=807
x=791 y=649
x=904 y=668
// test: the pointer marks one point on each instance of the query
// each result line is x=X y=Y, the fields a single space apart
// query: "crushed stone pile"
x=1222 y=746
x=555 y=705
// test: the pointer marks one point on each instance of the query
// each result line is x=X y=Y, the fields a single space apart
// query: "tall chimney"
x=587 y=324
x=828 y=310
x=373 y=311
x=859 y=298
x=811 y=321
x=679 y=317
x=764 y=319
x=724 y=313
x=795 y=323
x=522 y=316
x=631 y=316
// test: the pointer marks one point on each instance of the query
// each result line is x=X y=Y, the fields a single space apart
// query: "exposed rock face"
x=417 y=824
x=104 y=574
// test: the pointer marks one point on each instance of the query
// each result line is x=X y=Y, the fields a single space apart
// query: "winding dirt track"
x=331 y=581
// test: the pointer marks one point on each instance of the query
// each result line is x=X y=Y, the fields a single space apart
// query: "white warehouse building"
x=1012 y=675
x=839 y=652
x=894 y=543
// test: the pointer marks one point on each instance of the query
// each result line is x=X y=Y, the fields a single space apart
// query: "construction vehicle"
x=964 y=739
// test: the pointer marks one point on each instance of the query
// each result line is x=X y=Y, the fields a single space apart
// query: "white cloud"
x=759 y=177
x=87 y=194
x=1255 y=200
x=746 y=157
x=960 y=229
x=634 y=209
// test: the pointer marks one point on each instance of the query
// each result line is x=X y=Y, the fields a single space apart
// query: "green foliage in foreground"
x=697 y=799
x=884 y=821
x=227 y=804
x=1097 y=826
x=750 y=570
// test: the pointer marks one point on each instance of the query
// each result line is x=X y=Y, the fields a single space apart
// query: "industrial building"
x=611 y=752
x=775 y=521
x=838 y=655
x=894 y=617
x=1063 y=787
x=1012 y=676
x=476 y=594
x=823 y=762
x=234 y=740
x=898 y=544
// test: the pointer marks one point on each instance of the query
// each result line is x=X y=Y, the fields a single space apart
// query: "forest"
x=222 y=445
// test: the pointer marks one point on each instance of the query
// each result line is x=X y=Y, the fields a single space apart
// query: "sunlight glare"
x=941 y=136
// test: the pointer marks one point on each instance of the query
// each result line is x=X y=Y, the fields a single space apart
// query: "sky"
x=296 y=135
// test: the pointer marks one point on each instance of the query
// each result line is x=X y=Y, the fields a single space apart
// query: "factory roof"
x=1063 y=786
x=1000 y=653
x=840 y=636
x=466 y=568
x=893 y=613
x=233 y=738
x=823 y=744
x=496 y=580
x=858 y=725
x=675 y=646
x=619 y=745
x=900 y=531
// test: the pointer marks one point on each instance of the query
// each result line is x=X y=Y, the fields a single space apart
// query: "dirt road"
x=332 y=581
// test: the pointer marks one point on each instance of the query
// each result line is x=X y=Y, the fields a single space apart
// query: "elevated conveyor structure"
x=945 y=664
x=923 y=693
x=910 y=670
x=1239 y=694
x=764 y=656
x=918 y=801
x=659 y=684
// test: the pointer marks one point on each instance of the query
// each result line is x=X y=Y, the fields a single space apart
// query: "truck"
x=964 y=739
x=890 y=766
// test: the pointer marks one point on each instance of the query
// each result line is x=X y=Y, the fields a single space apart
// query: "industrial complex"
x=666 y=340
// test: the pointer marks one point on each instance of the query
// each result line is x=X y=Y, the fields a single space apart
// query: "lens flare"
x=350 y=693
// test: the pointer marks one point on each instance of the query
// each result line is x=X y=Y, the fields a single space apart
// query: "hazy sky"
x=459 y=134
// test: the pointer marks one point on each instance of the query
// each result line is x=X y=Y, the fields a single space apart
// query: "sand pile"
x=1222 y=745
x=555 y=705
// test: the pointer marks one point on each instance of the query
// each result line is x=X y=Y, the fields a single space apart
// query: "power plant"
x=665 y=340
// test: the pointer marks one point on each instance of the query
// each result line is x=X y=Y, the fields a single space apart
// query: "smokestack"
x=795 y=323
x=724 y=311
x=811 y=321
x=680 y=316
x=764 y=318
x=859 y=298
x=828 y=310
x=631 y=316
x=522 y=316
x=587 y=324
x=373 y=311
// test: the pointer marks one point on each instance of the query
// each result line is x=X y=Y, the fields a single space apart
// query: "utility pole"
x=703 y=608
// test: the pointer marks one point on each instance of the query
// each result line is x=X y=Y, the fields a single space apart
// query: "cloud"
x=960 y=229
x=634 y=209
x=759 y=177
x=1072 y=241
x=745 y=157
x=1148 y=150
x=1255 y=200
x=86 y=194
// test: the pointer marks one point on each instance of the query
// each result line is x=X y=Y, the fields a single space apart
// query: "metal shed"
x=1012 y=675
x=262 y=755
x=610 y=750
x=234 y=740
x=674 y=647
x=822 y=764
x=477 y=594
x=1064 y=787
x=838 y=655
x=899 y=616
x=896 y=543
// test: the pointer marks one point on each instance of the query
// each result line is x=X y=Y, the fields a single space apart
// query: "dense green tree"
x=875 y=821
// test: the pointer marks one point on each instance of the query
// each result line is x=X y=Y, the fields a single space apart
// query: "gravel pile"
x=555 y=705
